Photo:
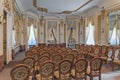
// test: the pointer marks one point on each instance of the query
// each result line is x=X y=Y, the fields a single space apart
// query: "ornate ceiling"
x=58 y=7
x=61 y=7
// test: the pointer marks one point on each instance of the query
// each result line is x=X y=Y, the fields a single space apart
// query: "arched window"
x=90 y=29
x=114 y=28
x=114 y=38
x=32 y=40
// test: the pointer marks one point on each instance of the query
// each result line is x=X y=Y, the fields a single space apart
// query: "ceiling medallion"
x=63 y=12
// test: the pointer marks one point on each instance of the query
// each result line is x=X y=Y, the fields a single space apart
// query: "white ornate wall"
x=1 y=27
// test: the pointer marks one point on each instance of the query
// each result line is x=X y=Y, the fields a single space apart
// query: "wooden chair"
x=80 y=56
x=69 y=50
x=107 y=54
x=30 y=61
x=64 y=72
x=42 y=59
x=70 y=57
x=116 y=59
x=63 y=53
x=59 y=50
x=80 y=71
x=97 y=51
x=63 y=49
x=82 y=48
x=20 y=72
x=57 y=58
x=74 y=52
x=88 y=51
x=77 y=46
x=47 y=71
x=51 y=51
x=95 y=68
x=104 y=52
x=34 y=55
x=46 y=53
x=31 y=54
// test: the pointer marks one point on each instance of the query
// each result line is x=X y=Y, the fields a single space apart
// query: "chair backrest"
x=30 y=61
x=63 y=53
x=77 y=46
x=20 y=72
x=57 y=58
x=81 y=48
x=59 y=50
x=74 y=52
x=81 y=69
x=47 y=70
x=46 y=53
x=43 y=59
x=89 y=49
x=80 y=56
x=51 y=51
x=28 y=53
x=116 y=55
x=104 y=51
x=97 y=51
x=31 y=54
x=70 y=57
x=69 y=50
x=95 y=66
x=65 y=70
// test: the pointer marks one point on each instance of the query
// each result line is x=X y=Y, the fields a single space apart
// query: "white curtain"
x=114 y=38
x=118 y=31
x=87 y=30
x=90 y=37
x=90 y=30
x=35 y=29
x=28 y=33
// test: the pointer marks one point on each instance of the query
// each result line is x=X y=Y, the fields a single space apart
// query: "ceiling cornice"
x=63 y=12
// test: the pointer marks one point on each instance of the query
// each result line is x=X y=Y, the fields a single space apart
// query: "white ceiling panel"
x=62 y=5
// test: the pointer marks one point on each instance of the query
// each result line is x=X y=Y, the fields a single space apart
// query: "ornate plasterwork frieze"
x=63 y=12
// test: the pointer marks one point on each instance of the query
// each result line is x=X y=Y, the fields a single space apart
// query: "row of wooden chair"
x=106 y=53
x=65 y=70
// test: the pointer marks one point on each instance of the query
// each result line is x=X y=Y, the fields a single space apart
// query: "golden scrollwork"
x=7 y=4
x=1 y=19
